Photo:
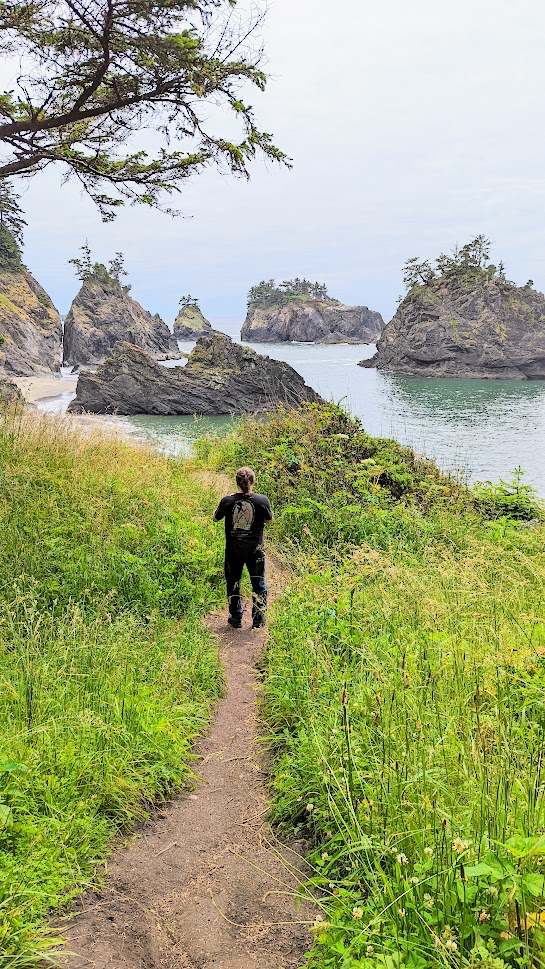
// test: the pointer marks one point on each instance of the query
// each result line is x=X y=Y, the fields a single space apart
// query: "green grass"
x=108 y=562
x=405 y=697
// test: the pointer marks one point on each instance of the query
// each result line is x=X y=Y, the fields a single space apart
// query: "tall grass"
x=108 y=561
x=405 y=695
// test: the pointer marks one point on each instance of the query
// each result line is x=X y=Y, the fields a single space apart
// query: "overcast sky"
x=412 y=126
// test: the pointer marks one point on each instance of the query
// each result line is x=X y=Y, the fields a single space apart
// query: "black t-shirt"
x=244 y=516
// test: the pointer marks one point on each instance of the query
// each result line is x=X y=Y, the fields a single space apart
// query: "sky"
x=412 y=127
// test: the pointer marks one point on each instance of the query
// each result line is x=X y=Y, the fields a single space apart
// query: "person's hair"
x=245 y=478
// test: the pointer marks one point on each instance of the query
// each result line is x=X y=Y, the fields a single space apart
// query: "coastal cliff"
x=102 y=314
x=190 y=324
x=311 y=321
x=220 y=377
x=30 y=326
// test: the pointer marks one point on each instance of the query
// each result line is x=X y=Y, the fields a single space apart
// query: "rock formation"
x=220 y=377
x=30 y=327
x=311 y=321
x=190 y=324
x=103 y=313
x=485 y=327
x=10 y=394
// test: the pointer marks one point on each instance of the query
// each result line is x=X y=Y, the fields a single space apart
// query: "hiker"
x=245 y=514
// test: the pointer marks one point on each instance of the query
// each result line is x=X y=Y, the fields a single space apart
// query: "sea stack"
x=190 y=324
x=465 y=319
x=220 y=377
x=102 y=314
x=300 y=310
x=30 y=326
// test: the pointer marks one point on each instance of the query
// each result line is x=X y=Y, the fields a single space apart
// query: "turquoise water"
x=485 y=428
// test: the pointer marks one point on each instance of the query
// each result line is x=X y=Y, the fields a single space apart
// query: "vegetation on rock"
x=267 y=293
x=11 y=229
x=404 y=681
x=87 y=269
x=467 y=265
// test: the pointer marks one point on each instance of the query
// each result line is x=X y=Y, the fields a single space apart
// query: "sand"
x=36 y=388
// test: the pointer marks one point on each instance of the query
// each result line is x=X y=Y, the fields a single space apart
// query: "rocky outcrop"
x=103 y=313
x=30 y=327
x=220 y=377
x=312 y=321
x=10 y=394
x=190 y=324
x=489 y=328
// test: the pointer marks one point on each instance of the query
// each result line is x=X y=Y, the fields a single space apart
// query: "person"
x=245 y=514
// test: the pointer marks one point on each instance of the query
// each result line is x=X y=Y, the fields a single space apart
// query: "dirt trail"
x=206 y=885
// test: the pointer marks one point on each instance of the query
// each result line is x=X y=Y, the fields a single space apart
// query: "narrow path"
x=206 y=885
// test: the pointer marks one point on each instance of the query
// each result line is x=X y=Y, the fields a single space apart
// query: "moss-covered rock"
x=30 y=326
x=190 y=324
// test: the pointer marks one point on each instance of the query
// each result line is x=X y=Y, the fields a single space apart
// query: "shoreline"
x=34 y=389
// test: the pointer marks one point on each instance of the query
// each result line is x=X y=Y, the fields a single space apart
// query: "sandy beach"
x=36 y=388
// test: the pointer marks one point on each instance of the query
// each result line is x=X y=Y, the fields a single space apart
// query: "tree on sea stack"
x=96 y=73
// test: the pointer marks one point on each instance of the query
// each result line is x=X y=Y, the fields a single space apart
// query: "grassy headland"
x=404 y=692
x=108 y=562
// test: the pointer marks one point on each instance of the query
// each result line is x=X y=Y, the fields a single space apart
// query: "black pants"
x=253 y=557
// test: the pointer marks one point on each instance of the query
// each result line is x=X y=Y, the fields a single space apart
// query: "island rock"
x=220 y=377
x=102 y=314
x=311 y=321
x=30 y=326
x=490 y=328
x=190 y=324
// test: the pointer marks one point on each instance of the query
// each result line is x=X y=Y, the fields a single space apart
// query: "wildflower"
x=428 y=851
x=484 y=917
x=299 y=798
x=310 y=808
x=369 y=950
x=325 y=856
x=357 y=912
x=492 y=891
x=428 y=900
x=401 y=913
x=459 y=846
x=414 y=880
x=451 y=945
x=402 y=859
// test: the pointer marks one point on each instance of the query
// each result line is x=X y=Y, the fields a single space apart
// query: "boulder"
x=102 y=314
x=30 y=326
x=190 y=324
x=311 y=321
x=483 y=328
x=220 y=377
x=10 y=394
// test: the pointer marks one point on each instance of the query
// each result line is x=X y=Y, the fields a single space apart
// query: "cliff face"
x=190 y=324
x=312 y=321
x=103 y=313
x=220 y=377
x=489 y=329
x=30 y=327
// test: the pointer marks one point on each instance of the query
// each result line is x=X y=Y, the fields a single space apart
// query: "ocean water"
x=481 y=428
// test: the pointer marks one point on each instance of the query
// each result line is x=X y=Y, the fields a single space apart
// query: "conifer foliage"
x=97 y=73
